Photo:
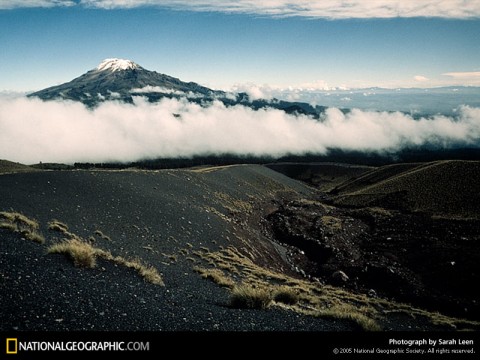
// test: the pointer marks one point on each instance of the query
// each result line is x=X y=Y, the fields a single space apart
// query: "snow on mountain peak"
x=117 y=65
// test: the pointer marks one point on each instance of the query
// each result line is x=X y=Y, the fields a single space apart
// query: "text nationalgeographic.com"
x=14 y=346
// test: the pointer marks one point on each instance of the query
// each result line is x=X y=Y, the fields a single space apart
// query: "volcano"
x=123 y=80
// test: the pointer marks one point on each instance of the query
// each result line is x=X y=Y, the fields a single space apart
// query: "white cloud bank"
x=330 y=9
x=32 y=131
x=333 y=9
x=12 y=4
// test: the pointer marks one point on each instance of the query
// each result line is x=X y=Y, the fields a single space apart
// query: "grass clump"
x=84 y=254
x=8 y=226
x=351 y=313
x=19 y=223
x=34 y=236
x=286 y=295
x=56 y=225
x=62 y=228
x=148 y=272
x=332 y=223
x=81 y=253
x=19 y=219
x=245 y=296
x=216 y=275
x=102 y=235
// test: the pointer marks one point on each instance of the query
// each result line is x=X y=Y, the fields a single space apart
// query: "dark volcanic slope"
x=324 y=176
x=444 y=188
x=213 y=218
x=405 y=231
x=152 y=215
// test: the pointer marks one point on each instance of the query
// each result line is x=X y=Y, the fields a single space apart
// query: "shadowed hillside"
x=443 y=188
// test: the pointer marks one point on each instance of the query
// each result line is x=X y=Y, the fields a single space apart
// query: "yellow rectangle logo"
x=12 y=346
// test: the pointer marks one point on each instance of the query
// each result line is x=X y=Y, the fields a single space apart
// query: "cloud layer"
x=330 y=9
x=12 y=4
x=469 y=77
x=32 y=131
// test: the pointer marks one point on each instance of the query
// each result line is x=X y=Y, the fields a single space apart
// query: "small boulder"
x=340 y=277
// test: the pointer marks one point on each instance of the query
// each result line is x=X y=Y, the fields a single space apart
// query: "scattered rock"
x=340 y=277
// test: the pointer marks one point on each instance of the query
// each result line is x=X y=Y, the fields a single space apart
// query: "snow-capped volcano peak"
x=117 y=65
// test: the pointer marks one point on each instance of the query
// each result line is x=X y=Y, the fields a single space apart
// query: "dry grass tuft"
x=148 y=272
x=332 y=223
x=81 y=253
x=216 y=275
x=351 y=313
x=19 y=219
x=84 y=254
x=34 y=236
x=62 y=228
x=102 y=235
x=285 y=295
x=8 y=226
x=19 y=223
x=56 y=225
x=245 y=296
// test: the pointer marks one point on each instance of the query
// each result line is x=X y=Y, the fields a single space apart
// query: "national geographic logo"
x=12 y=346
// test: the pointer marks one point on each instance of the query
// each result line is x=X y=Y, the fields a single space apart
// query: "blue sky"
x=225 y=44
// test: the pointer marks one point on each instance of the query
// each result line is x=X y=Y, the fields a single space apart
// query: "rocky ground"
x=431 y=263
x=190 y=222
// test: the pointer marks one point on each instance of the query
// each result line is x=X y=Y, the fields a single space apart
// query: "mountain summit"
x=117 y=65
x=122 y=80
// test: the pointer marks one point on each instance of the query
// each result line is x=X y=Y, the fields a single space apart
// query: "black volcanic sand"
x=146 y=215
x=161 y=217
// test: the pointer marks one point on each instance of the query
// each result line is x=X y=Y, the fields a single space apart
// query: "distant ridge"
x=8 y=167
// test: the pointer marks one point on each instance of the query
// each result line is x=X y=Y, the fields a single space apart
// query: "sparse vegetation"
x=8 y=226
x=149 y=273
x=216 y=275
x=246 y=296
x=8 y=167
x=259 y=285
x=285 y=295
x=62 y=228
x=233 y=205
x=102 y=235
x=19 y=223
x=171 y=257
x=332 y=223
x=349 y=312
x=56 y=225
x=19 y=219
x=84 y=254
x=81 y=253
x=34 y=236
